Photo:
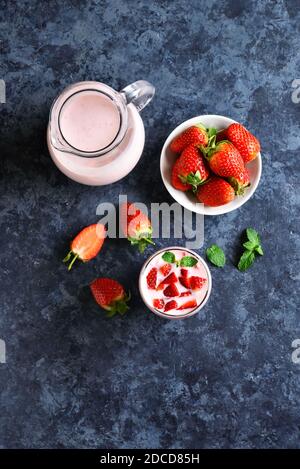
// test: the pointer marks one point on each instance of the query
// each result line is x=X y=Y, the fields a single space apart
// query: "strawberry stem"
x=72 y=261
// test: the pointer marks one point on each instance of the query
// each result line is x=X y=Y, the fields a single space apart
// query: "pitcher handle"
x=138 y=93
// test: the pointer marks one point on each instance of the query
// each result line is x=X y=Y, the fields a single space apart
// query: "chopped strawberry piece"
x=168 y=280
x=197 y=282
x=171 y=290
x=165 y=269
x=184 y=272
x=170 y=305
x=158 y=303
x=185 y=293
x=152 y=278
x=188 y=304
x=185 y=281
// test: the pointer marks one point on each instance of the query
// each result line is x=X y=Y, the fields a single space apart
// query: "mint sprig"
x=252 y=248
x=186 y=261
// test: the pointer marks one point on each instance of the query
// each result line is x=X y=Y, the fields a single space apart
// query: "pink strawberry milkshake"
x=184 y=286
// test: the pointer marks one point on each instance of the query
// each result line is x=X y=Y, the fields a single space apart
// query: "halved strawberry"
x=188 y=304
x=136 y=226
x=185 y=293
x=110 y=295
x=171 y=290
x=165 y=269
x=197 y=282
x=166 y=281
x=171 y=305
x=185 y=281
x=86 y=245
x=158 y=303
x=152 y=278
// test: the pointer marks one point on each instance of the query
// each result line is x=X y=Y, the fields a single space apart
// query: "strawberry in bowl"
x=230 y=152
x=175 y=283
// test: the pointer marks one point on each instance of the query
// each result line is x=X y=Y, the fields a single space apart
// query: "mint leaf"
x=246 y=260
x=253 y=236
x=250 y=246
x=188 y=261
x=259 y=250
x=169 y=257
x=216 y=255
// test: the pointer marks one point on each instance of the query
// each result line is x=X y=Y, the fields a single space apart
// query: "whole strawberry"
x=176 y=181
x=86 y=245
x=244 y=141
x=197 y=135
x=225 y=160
x=216 y=191
x=190 y=168
x=110 y=295
x=136 y=226
x=240 y=183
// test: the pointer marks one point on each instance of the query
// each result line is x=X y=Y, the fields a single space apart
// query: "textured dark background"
x=76 y=379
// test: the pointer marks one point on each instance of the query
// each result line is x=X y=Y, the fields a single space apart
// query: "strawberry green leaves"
x=186 y=261
x=216 y=255
x=252 y=248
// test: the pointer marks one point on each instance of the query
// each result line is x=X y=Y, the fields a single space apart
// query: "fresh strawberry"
x=86 y=245
x=152 y=278
x=110 y=295
x=185 y=293
x=171 y=305
x=171 y=290
x=175 y=179
x=165 y=269
x=188 y=304
x=225 y=160
x=240 y=183
x=221 y=135
x=196 y=283
x=136 y=226
x=244 y=141
x=166 y=281
x=197 y=135
x=184 y=272
x=216 y=191
x=185 y=281
x=158 y=303
x=191 y=168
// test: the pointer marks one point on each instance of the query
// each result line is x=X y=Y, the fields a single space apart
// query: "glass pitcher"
x=95 y=134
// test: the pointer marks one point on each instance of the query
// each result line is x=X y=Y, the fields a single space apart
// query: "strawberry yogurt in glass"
x=175 y=283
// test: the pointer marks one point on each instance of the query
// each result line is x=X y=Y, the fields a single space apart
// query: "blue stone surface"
x=73 y=378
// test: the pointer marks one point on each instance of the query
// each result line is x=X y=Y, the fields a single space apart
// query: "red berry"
x=175 y=179
x=152 y=278
x=244 y=141
x=225 y=160
x=185 y=281
x=190 y=167
x=165 y=269
x=216 y=191
x=171 y=305
x=188 y=304
x=158 y=303
x=171 y=290
x=197 y=282
x=184 y=272
x=185 y=293
x=196 y=135
x=86 y=245
x=166 y=281
x=110 y=295
x=136 y=226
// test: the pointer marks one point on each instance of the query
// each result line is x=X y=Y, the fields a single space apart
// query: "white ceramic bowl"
x=188 y=200
x=183 y=315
